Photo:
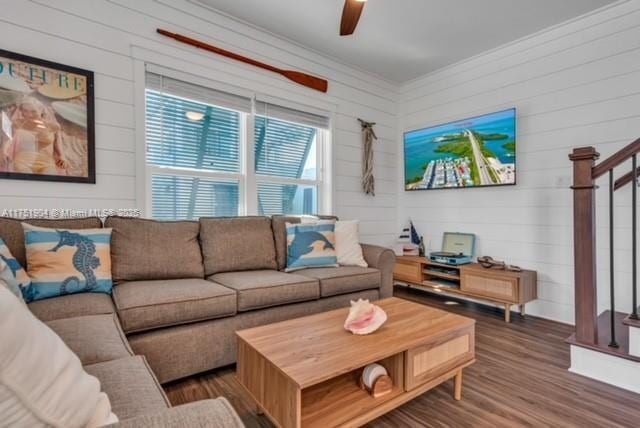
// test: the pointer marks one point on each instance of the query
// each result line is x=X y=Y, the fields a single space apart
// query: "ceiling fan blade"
x=350 y=16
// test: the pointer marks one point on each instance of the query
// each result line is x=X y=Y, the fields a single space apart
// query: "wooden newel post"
x=584 y=242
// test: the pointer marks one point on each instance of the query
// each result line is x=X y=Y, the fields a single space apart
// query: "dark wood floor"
x=520 y=379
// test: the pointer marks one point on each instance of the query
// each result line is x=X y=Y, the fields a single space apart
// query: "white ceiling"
x=403 y=39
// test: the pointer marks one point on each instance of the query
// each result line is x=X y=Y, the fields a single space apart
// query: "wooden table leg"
x=457 y=392
x=522 y=314
x=507 y=312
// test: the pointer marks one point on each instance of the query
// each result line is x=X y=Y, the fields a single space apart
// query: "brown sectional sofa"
x=90 y=327
x=181 y=290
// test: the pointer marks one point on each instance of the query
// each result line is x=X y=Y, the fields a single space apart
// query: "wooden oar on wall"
x=301 y=78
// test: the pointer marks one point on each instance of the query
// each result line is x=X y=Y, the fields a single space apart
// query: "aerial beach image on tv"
x=479 y=151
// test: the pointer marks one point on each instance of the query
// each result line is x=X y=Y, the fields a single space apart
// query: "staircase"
x=606 y=345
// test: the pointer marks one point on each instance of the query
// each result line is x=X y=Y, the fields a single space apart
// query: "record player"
x=457 y=249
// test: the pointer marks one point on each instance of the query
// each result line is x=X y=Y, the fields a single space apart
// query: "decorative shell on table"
x=364 y=317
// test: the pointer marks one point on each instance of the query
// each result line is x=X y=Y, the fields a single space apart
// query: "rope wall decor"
x=368 y=135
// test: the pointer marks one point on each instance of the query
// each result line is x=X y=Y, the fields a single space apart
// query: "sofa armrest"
x=217 y=413
x=383 y=259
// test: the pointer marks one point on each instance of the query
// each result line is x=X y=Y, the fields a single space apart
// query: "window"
x=196 y=145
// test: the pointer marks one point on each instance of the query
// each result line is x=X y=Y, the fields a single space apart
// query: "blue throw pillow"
x=15 y=269
x=67 y=261
x=8 y=280
x=311 y=245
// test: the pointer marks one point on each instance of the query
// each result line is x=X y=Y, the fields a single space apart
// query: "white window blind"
x=286 y=152
x=292 y=115
x=189 y=198
x=276 y=198
x=167 y=85
x=174 y=140
x=196 y=142
x=283 y=149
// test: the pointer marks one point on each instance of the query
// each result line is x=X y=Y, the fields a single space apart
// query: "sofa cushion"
x=209 y=413
x=93 y=338
x=12 y=234
x=279 y=225
x=130 y=385
x=264 y=288
x=73 y=305
x=237 y=244
x=145 y=305
x=343 y=279
x=144 y=249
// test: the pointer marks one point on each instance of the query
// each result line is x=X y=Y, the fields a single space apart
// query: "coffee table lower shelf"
x=339 y=401
x=344 y=404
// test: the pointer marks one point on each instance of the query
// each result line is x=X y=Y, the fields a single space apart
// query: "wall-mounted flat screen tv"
x=475 y=152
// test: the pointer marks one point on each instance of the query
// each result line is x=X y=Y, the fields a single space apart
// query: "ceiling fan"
x=350 y=16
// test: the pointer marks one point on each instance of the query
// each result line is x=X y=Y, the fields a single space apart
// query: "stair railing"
x=585 y=174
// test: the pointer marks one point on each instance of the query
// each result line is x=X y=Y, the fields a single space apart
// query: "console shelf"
x=443 y=275
x=470 y=280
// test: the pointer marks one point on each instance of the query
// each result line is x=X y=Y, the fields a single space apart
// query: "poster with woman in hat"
x=46 y=120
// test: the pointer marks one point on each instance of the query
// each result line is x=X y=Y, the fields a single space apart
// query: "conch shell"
x=364 y=317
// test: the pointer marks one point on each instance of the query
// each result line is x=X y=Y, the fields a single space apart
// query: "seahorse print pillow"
x=311 y=245
x=11 y=266
x=67 y=261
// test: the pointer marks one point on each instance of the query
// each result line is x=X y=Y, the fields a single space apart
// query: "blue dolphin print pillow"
x=14 y=268
x=311 y=245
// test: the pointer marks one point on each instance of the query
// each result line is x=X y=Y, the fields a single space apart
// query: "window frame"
x=247 y=178
x=321 y=141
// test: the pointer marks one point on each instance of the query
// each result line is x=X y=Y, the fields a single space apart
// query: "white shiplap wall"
x=113 y=37
x=576 y=84
x=573 y=85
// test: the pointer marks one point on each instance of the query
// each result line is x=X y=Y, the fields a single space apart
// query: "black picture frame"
x=90 y=177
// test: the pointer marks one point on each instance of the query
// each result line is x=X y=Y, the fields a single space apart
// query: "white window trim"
x=247 y=178
x=189 y=172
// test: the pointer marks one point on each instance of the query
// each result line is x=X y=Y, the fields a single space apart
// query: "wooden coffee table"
x=304 y=372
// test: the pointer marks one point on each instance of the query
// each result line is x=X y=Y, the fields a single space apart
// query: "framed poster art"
x=47 y=129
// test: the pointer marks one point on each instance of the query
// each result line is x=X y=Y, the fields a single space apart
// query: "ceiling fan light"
x=194 y=116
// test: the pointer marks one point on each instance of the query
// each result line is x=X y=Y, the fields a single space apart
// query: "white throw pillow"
x=42 y=383
x=348 y=247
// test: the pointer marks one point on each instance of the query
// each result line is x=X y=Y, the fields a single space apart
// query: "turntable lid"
x=458 y=243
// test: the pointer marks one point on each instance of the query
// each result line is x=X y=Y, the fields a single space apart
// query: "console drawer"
x=432 y=359
x=408 y=271
x=502 y=288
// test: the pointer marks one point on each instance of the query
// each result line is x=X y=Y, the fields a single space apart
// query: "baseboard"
x=606 y=368
x=634 y=341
